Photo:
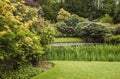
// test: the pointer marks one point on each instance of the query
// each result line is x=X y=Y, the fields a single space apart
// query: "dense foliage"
x=106 y=19
x=91 y=9
x=23 y=72
x=117 y=29
x=25 y=36
x=17 y=43
x=71 y=25
x=22 y=32
x=67 y=23
x=113 y=39
x=93 y=32
x=63 y=15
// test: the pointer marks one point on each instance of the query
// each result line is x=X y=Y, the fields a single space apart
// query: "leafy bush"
x=17 y=43
x=79 y=27
x=117 y=30
x=20 y=42
x=68 y=27
x=63 y=15
x=73 y=20
x=93 y=32
x=47 y=34
x=106 y=19
x=23 y=72
x=62 y=27
x=113 y=39
x=67 y=23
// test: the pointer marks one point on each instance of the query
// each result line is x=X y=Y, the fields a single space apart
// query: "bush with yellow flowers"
x=18 y=44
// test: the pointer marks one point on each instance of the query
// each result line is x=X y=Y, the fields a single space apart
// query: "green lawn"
x=68 y=40
x=82 y=70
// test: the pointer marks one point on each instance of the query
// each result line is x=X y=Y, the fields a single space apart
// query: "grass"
x=85 y=53
x=67 y=40
x=82 y=70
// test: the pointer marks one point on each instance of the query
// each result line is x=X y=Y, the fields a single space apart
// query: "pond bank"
x=72 y=44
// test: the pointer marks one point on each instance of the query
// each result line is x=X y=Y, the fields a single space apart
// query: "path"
x=71 y=44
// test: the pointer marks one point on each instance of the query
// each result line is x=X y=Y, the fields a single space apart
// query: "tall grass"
x=85 y=53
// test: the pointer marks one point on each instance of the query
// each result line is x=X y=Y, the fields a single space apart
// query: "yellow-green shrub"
x=18 y=44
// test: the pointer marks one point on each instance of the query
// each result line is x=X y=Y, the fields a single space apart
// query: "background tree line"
x=91 y=9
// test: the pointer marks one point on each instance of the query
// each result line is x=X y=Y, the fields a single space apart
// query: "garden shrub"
x=117 y=30
x=78 y=28
x=113 y=39
x=17 y=43
x=23 y=72
x=93 y=32
x=47 y=34
x=67 y=23
x=63 y=15
x=106 y=19
x=20 y=42
x=68 y=27
x=73 y=20
x=61 y=27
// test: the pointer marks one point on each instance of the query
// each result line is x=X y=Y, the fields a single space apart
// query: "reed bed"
x=85 y=53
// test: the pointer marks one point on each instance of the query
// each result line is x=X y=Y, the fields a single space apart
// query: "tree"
x=83 y=8
x=116 y=17
x=50 y=9
x=108 y=6
x=91 y=9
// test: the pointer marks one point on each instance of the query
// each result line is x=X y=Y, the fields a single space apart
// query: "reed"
x=85 y=53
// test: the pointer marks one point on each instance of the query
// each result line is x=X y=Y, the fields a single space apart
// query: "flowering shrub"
x=18 y=44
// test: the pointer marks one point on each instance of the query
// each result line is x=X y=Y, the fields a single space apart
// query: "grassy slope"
x=67 y=40
x=82 y=70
